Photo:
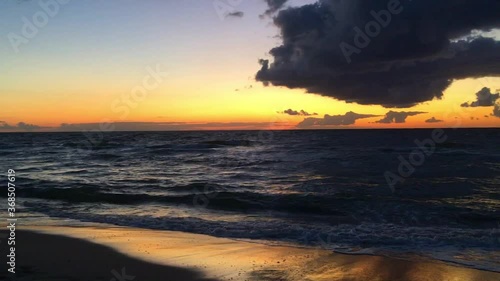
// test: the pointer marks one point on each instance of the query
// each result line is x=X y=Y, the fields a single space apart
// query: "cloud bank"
x=169 y=126
x=333 y=120
x=21 y=126
x=413 y=56
x=397 y=117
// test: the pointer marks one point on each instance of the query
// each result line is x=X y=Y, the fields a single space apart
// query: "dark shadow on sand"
x=52 y=257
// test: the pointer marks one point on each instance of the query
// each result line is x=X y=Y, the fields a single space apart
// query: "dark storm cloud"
x=483 y=98
x=298 y=113
x=397 y=117
x=433 y=120
x=333 y=120
x=236 y=14
x=274 y=6
x=414 y=57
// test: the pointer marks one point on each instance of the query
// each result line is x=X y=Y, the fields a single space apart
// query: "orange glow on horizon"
x=224 y=104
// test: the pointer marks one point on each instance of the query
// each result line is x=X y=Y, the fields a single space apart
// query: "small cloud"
x=398 y=117
x=235 y=14
x=248 y=87
x=485 y=97
x=433 y=120
x=334 y=120
x=496 y=110
x=298 y=113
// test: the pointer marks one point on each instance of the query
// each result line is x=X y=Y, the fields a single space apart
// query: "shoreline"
x=148 y=254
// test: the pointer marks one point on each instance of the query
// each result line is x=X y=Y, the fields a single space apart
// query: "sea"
x=411 y=194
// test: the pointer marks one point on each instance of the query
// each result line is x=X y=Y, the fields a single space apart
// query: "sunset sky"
x=88 y=63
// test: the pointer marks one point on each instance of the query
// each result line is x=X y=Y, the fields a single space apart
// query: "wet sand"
x=126 y=254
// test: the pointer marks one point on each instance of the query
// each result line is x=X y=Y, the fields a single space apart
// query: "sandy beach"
x=104 y=253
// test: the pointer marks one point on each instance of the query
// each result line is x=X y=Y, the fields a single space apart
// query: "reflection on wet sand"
x=225 y=259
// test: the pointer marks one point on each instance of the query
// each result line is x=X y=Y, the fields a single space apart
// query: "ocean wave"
x=216 y=197
x=441 y=242
x=237 y=184
x=318 y=208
